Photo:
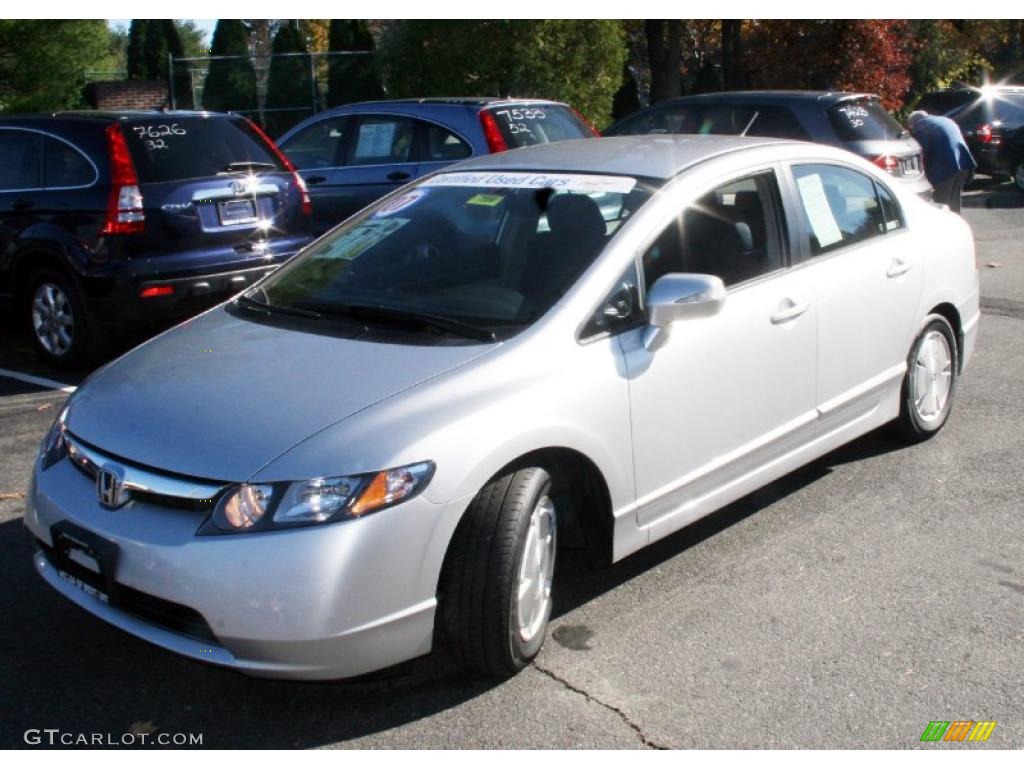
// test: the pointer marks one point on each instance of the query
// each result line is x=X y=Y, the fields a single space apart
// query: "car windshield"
x=175 y=147
x=863 y=120
x=524 y=125
x=488 y=250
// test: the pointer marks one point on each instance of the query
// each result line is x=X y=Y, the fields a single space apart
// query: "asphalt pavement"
x=847 y=605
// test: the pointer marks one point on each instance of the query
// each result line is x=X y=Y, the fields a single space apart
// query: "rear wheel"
x=1018 y=173
x=930 y=381
x=495 y=590
x=56 y=318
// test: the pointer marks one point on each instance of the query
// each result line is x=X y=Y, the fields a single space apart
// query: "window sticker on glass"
x=491 y=201
x=400 y=203
x=569 y=182
x=360 y=238
x=819 y=213
x=376 y=139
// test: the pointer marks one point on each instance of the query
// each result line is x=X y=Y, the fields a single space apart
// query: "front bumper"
x=324 y=602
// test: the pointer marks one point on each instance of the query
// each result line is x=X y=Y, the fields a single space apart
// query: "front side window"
x=318 y=146
x=842 y=206
x=731 y=232
x=21 y=154
x=467 y=246
x=381 y=140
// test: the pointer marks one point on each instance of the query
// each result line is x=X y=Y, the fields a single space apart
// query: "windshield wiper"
x=262 y=306
x=438 y=322
x=247 y=165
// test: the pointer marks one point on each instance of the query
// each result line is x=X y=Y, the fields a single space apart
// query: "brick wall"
x=128 y=94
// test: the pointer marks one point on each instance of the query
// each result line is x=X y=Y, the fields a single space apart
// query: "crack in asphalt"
x=644 y=739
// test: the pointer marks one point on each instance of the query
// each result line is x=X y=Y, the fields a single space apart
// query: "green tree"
x=230 y=83
x=42 y=62
x=193 y=39
x=136 y=57
x=289 y=83
x=351 y=78
x=578 y=61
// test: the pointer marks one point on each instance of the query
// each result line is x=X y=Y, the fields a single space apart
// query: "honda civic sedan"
x=383 y=444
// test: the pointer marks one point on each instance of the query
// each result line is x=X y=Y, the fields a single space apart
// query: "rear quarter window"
x=525 y=125
x=863 y=120
x=175 y=149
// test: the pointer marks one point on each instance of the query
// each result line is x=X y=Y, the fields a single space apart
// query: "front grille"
x=154 y=610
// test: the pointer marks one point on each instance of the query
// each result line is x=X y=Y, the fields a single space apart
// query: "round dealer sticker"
x=400 y=203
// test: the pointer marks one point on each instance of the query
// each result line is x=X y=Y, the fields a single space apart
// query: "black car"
x=986 y=116
x=1012 y=156
x=116 y=220
x=855 y=121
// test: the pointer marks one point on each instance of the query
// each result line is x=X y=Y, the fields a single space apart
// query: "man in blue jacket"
x=947 y=160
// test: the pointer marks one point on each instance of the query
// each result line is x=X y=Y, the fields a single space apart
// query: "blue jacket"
x=945 y=151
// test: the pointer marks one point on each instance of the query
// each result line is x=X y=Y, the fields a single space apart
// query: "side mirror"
x=679 y=297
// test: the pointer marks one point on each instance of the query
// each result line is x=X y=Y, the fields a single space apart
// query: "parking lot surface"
x=846 y=605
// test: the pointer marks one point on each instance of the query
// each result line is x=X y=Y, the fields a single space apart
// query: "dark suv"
x=111 y=221
x=986 y=117
x=854 y=121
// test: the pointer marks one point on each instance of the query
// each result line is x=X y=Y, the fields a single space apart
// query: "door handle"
x=791 y=312
x=21 y=204
x=314 y=179
x=897 y=267
x=399 y=176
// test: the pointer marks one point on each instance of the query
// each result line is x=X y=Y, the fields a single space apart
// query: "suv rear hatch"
x=864 y=127
x=215 y=193
x=511 y=125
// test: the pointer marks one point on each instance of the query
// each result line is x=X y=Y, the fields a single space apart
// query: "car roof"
x=456 y=101
x=660 y=156
x=824 y=98
x=94 y=115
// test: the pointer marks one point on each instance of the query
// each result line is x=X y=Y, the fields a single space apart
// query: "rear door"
x=213 y=189
x=379 y=158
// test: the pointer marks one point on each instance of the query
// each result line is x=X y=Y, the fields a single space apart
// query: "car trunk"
x=864 y=127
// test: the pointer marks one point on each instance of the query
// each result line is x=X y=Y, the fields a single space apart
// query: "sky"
x=206 y=25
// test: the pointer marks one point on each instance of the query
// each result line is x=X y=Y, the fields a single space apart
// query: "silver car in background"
x=384 y=442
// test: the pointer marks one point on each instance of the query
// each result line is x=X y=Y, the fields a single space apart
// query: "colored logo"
x=958 y=730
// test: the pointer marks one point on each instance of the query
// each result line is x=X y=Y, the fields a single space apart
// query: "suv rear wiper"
x=438 y=322
x=247 y=165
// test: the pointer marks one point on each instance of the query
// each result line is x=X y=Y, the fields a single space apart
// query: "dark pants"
x=948 y=190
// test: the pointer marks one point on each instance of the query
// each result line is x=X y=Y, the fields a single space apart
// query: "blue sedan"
x=352 y=155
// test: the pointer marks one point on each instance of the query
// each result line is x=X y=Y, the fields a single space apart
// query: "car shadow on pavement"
x=62 y=668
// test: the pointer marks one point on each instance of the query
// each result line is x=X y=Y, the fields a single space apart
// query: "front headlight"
x=264 y=507
x=54 y=448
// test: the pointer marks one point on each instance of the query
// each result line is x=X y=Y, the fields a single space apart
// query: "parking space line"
x=39 y=381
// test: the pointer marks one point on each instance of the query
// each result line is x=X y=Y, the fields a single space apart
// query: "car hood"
x=219 y=397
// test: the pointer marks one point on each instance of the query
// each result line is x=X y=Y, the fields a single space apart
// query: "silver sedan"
x=382 y=444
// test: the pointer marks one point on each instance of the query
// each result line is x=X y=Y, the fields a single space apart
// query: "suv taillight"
x=492 y=133
x=586 y=122
x=887 y=163
x=983 y=133
x=125 y=215
x=300 y=183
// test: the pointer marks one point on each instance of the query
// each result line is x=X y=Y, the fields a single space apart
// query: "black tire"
x=478 y=590
x=80 y=348
x=1017 y=173
x=913 y=426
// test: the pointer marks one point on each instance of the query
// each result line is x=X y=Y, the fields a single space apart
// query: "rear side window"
x=66 y=166
x=842 y=207
x=173 y=148
x=21 y=155
x=778 y=123
x=863 y=120
x=664 y=120
x=526 y=125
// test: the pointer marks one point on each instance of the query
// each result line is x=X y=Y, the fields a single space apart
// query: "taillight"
x=492 y=133
x=887 y=163
x=156 y=290
x=307 y=203
x=125 y=215
x=983 y=133
x=586 y=122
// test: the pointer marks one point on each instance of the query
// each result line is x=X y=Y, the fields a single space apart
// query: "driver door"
x=727 y=394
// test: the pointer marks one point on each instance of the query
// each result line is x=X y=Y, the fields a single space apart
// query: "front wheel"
x=495 y=591
x=930 y=381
